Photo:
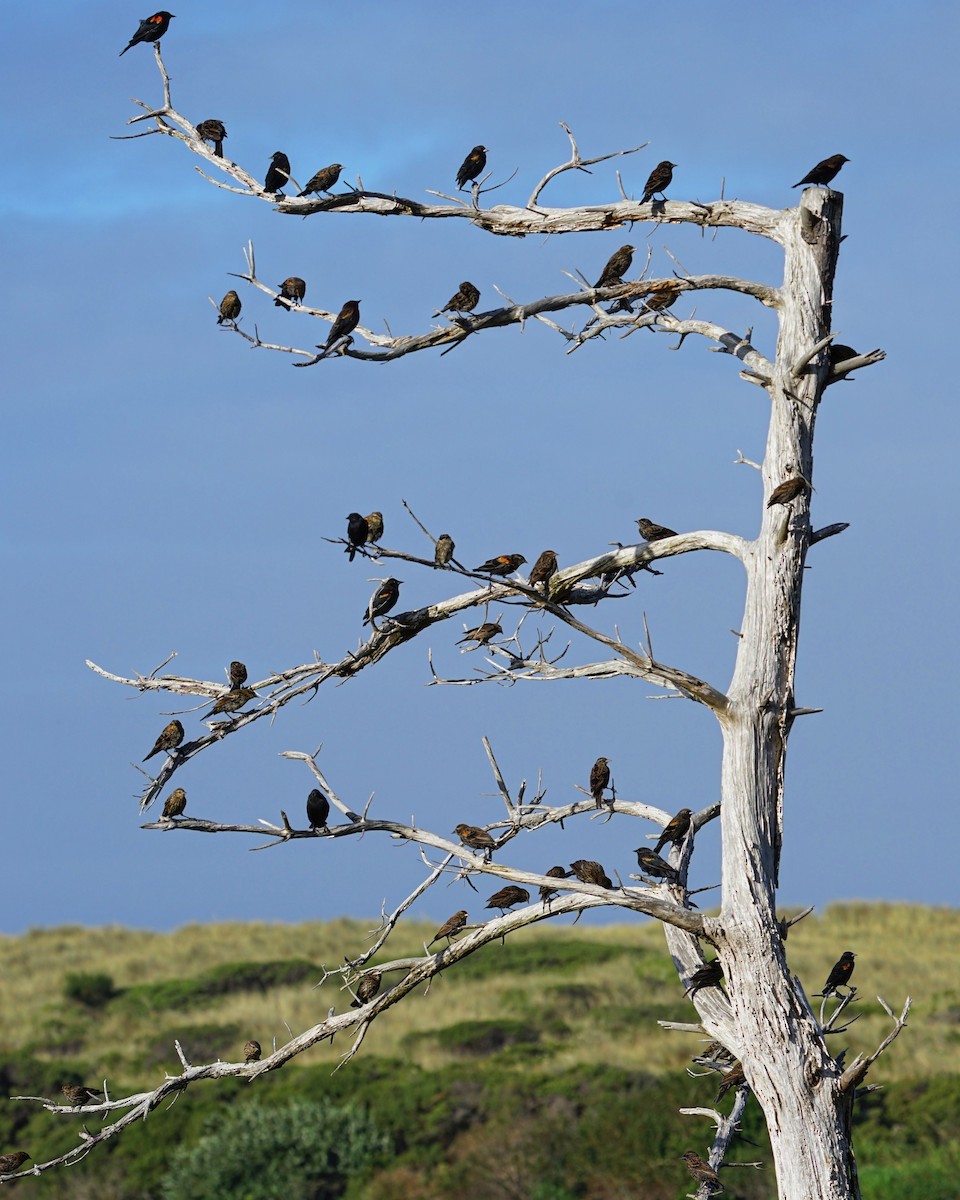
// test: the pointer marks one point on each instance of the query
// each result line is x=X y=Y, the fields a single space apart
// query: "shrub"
x=92 y=991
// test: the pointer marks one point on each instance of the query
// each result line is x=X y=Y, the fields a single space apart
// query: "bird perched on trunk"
x=675 y=830
x=507 y=897
x=174 y=804
x=652 y=864
x=292 y=291
x=543 y=570
x=169 y=739
x=503 y=564
x=348 y=318
x=599 y=778
x=318 y=810
x=709 y=975
x=374 y=526
x=367 y=988
x=443 y=551
x=451 y=926
x=472 y=166
x=77 y=1095
x=482 y=634
x=824 y=171
x=150 y=29
x=357 y=533
x=547 y=893
x=617 y=266
x=588 y=871
x=658 y=181
x=232 y=701
x=840 y=973
x=476 y=838
x=323 y=181
x=251 y=1051
x=229 y=308
x=701 y=1170
x=383 y=599
x=238 y=674
x=788 y=491
x=13 y=1162
x=213 y=130
x=650 y=531
x=463 y=301
x=278 y=173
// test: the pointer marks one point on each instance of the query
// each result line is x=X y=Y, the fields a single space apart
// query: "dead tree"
x=761 y=1017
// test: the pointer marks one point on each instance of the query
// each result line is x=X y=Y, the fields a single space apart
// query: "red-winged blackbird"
x=292 y=291
x=238 y=674
x=472 y=166
x=503 y=564
x=650 y=531
x=788 y=491
x=384 y=598
x=251 y=1051
x=278 y=173
x=588 y=871
x=357 y=532
x=318 y=809
x=450 y=927
x=367 y=988
x=476 y=838
x=150 y=29
x=12 y=1162
x=348 y=318
x=213 y=130
x=465 y=300
x=232 y=701
x=824 y=171
x=482 y=634
x=374 y=526
x=663 y=298
x=170 y=738
x=507 y=897
x=709 y=975
x=731 y=1079
x=174 y=804
x=840 y=973
x=229 y=308
x=77 y=1095
x=651 y=863
x=544 y=570
x=658 y=181
x=599 y=778
x=617 y=266
x=547 y=893
x=323 y=181
x=443 y=551
x=675 y=830
x=837 y=353
x=702 y=1171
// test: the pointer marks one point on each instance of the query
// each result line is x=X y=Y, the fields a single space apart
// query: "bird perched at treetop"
x=13 y=1162
x=324 y=179
x=463 y=301
x=472 y=166
x=348 y=318
x=701 y=1170
x=367 y=988
x=652 y=864
x=840 y=973
x=174 y=804
x=543 y=570
x=658 y=181
x=357 y=532
x=650 y=531
x=451 y=926
x=232 y=701
x=482 y=634
x=229 y=308
x=318 y=809
x=169 y=739
x=214 y=131
x=278 y=173
x=675 y=830
x=77 y=1095
x=507 y=897
x=824 y=171
x=617 y=266
x=251 y=1051
x=476 y=838
x=443 y=551
x=150 y=29
x=384 y=598
x=503 y=564
x=547 y=893
x=588 y=871
x=238 y=674
x=292 y=291
x=599 y=778
x=374 y=526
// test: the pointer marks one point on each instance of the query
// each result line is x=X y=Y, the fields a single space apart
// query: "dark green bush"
x=92 y=991
x=220 y=981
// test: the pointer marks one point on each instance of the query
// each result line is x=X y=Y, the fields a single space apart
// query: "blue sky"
x=166 y=488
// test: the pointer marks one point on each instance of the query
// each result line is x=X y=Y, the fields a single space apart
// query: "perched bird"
x=443 y=551
x=650 y=531
x=229 y=308
x=251 y=1051
x=174 y=804
x=482 y=634
x=731 y=1079
x=503 y=564
x=13 y=1162
x=292 y=291
x=238 y=674
x=348 y=318
x=383 y=599
x=662 y=298
x=323 y=181
x=169 y=739
x=658 y=181
x=588 y=871
x=476 y=838
x=213 y=130
x=278 y=173
x=651 y=863
x=451 y=926
x=837 y=353
x=543 y=570
x=367 y=988
x=357 y=533
x=824 y=171
x=374 y=526
x=547 y=893
x=150 y=29
x=472 y=166
x=465 y=300
x=617 y=266
x=507 y=897
x=701 y=1170
x=709 y=975
x=77 y=1095
x=318 y=809
x=675 y=830
x=599 y=778
x=788 y=491
x=232 y=701
x=840 y=973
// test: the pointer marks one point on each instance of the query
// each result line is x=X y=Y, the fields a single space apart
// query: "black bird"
x=588 y=871
x=547 y=893
x=599 y=778
x=837 y=353
x=675 y=830
x=251 y=1051
x=170 y=738
x=214 y=131
x=367 y=988
x=318 y=809
x=617 y=266
x=824 y=171
x=701 y=1170
x=278 y=173
x=709 y=975
x=476 y=838
x=229 y=308
x=357 y=531
x=150 y=29
x=384 y=598
x=472 y=166
x=482 y=634
x=323 y=181
x=543 y=570
x=650 y=531
x=840 y=973
x=652 y=864
x=238 y=674
x=788 y=491
x=658 y=181
x=507 y=897
x=374 y=526
x=292 y=291
x=348 y=318
x=443 y=551
x=451 y=926
x=503 y=564
x=174 y=804
x=463 y=301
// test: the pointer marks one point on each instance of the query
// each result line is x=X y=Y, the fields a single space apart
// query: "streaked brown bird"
x=232 y=701
x=675 y=830
x=174 y=804
x=213 y=130
x=443 y=551
x=701 y=1170
x=599 y=778
x=588 y=871
x=150 y=29
x=617 y=265
x=472 y=166
x=650 y=531
x=652 y=864
x=482 y=634
x=292 y=291
x=731 y=1079
x=318 y=809
x=543 y=570
x=658 y=181
x=451 y=926
x=507 y=897
x=824 y=171
x=503 y=564
x=251 y=1051
x=77 y=1095
x=463 y=301
x=663 y=298
x=788 y=491
x=383 y=599
x=238 y=673
x=348 y=318
x=323 y=181
x=13 y=1162
x=547 y=893
x=840 y=973
x=367 y=988
x=169 y=739
x=278 y=173
x=229 y=308
x=709 y=975
x=476 y=838
x=374 y=526
x=357 y=533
